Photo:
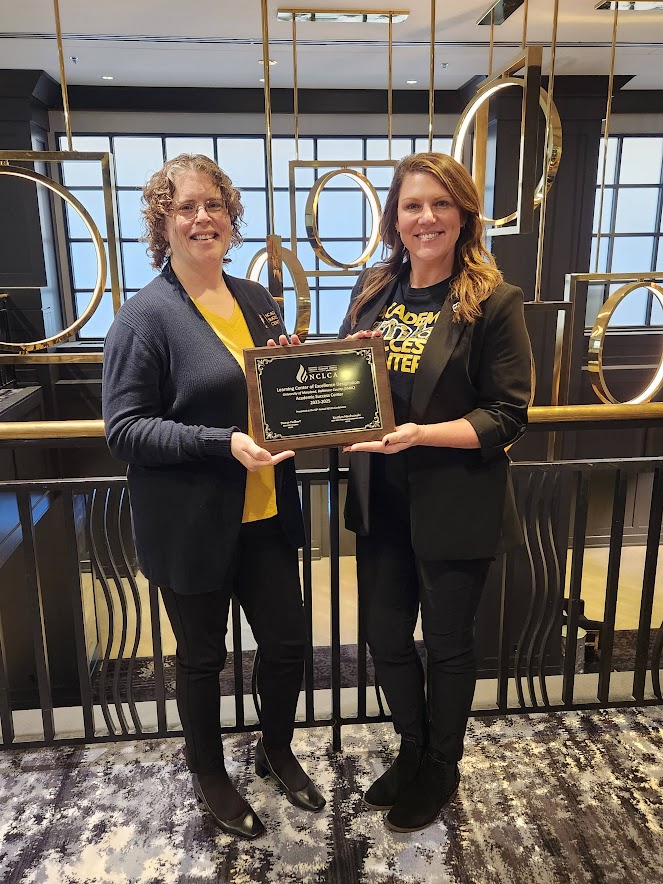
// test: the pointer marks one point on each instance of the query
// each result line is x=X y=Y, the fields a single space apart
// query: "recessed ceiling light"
x=271 y=61
x=410 y=82
x=444 y=65
x=351 y=16
x=630 y=5
x=262 y=79
x=106 y=77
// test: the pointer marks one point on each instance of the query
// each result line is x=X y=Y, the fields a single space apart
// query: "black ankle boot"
x=420 y=803
x=385 y=790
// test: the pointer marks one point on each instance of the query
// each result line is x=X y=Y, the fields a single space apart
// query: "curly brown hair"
x=157 y=202
x=475 y=271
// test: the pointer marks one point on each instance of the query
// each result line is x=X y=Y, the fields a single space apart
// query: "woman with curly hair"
x=213 y=513
x=432 y=503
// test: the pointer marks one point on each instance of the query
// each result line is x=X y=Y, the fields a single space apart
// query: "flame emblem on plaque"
x=302 y=375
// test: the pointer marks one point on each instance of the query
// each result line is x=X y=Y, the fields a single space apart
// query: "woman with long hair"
x=432 y=503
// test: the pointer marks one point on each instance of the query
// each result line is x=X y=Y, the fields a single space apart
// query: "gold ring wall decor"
x=311 y=217
x=553 y=124
x=302 y=291
x=100 y=283
x=597 y=341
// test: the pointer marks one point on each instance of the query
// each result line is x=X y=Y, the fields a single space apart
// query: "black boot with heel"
x=385 y=790
x=419 y=804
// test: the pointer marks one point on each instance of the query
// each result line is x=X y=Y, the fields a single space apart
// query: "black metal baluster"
x=307 y=588
x=6 y=718
x=554 y=588
x=237 y=666
x=96 y=567
x=334 y=584
x=648 y=585
x=527 y=514
x=72 y=563
x=575 y=589
x=504 y=651
x=540 y=595
x=138 y=610
x=157 y=654
x=119 y=586
x=612 y=583
x=36 y=614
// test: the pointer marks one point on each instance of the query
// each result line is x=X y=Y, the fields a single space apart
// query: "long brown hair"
x=476 y=275
x=157 y=202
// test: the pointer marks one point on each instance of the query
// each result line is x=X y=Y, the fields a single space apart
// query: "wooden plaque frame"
x=325 y=382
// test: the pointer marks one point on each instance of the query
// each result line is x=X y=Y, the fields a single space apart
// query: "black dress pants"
x=393 y=585
x=265 y=580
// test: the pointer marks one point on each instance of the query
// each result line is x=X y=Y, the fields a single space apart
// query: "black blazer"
x=461 y=501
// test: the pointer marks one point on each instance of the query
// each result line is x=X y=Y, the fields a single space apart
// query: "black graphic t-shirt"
x=406 y=324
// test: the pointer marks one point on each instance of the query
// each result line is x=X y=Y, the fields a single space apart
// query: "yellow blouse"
x=260 y=494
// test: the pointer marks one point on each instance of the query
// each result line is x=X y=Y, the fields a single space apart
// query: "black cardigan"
x=173 y=394
x=461 y=500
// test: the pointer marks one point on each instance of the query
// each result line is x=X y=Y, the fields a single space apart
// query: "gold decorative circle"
x=597 y=340
x=302 y=290
x=554 y=124
x=311 y=217
x=100 y=284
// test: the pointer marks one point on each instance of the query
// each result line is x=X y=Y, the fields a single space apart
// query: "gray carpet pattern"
x=569 y=797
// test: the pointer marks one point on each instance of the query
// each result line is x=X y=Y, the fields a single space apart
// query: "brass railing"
x=550 y=415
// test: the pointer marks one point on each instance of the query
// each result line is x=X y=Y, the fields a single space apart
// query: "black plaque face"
x=316 y=395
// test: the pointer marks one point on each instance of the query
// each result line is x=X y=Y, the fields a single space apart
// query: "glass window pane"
x=240 y=259
x=339 y=181
x=290 y=311
x=93 y=200
x=137 y=270
x=641 y=160
x=306 y=257
x=333 y=305
x=378 y=255
x=283 y=150
x=185 y=144
x=83 y=173
x=136 y=159
x=636 y=210
x=339 y=214
x=606 y=215
x=603 y=256
x=99 y=322
x=282 y=212
x=440 y=145
x=632 y=254
x=343 y=251
x=340 y=149
x=659 y=259
x=255 y=218
x=130 y=218
x=610 y=161
x=595 y=298
x=243 y=159
x=84 y=264
x=632 y=310
x=656 y=312
x=378 y=148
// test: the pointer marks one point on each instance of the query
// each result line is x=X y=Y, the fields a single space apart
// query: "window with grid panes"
x=631 y=238
x=344 y=216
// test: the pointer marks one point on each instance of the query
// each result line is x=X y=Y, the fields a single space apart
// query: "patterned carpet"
x=570 y=797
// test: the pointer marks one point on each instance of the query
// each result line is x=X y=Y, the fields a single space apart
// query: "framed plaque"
x=319 y=395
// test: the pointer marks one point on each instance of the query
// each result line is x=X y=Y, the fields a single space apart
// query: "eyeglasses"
x=189 y=211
